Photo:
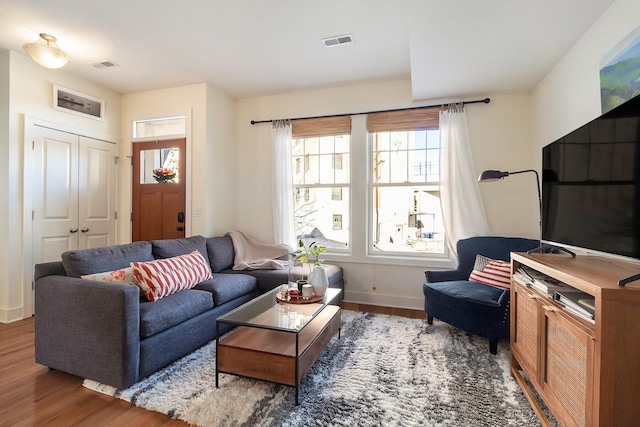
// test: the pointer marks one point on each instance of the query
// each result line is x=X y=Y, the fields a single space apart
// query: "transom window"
x=164 y=126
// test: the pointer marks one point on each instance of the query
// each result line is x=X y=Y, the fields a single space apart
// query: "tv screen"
x=591 y=184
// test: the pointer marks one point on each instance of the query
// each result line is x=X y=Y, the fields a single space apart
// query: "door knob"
x=73 y=230
x=84 y=229
x=180 y=228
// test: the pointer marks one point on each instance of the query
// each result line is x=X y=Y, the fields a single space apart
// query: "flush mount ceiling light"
x=48 y=55
x=337 y=40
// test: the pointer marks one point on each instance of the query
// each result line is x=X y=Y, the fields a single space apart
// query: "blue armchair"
x=475 y=308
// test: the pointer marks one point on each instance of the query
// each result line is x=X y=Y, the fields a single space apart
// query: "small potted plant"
x=311 y=254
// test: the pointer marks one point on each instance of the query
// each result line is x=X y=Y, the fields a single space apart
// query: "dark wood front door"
x=158 y=210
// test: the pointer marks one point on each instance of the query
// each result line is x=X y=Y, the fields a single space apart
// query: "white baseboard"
x=395 y=301
x=11 y=315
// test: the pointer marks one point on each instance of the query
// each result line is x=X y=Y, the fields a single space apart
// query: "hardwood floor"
x=33 y=395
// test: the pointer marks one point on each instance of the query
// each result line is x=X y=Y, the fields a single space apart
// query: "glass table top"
x=267 y=312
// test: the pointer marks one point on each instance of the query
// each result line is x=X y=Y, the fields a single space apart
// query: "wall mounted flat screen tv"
x=591 y=185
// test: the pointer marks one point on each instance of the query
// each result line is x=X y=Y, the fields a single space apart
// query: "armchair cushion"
x=469 y=299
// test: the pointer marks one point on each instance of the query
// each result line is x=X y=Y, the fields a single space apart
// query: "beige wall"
x=569 y=96
x=500 y=133
x=210 y=152
x=28 y=90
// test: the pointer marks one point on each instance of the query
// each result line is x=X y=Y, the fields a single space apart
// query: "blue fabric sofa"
x=474 y=307
x=112 y=334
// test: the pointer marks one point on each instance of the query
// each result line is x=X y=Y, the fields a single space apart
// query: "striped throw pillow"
x=491 y=272
x=164 y=277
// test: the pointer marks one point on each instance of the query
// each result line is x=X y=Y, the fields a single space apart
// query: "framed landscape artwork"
x=77 y=103
x=620 y=72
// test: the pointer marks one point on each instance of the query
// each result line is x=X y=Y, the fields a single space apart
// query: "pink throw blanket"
x=252 y=254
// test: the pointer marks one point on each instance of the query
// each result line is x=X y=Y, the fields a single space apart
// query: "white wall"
x=500 y=132
x=30 y=93
x=210 y=152
x=569 y=96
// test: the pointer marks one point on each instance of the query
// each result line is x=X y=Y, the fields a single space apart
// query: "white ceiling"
x=455 y=48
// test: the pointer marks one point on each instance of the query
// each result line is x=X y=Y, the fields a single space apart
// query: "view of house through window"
x=320 y=166
x=405 y=199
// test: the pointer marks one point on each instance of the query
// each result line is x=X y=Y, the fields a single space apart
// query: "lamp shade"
x=46 y=52
x=492 y=175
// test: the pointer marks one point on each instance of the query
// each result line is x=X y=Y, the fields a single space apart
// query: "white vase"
x=319 y=280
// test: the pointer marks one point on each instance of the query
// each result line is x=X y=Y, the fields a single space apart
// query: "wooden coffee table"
x=276 y=341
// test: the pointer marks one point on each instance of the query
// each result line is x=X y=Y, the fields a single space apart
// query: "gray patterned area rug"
x=384 y=370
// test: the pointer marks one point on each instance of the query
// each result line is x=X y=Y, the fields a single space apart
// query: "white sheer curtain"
x=462 y=208
x=282 y=191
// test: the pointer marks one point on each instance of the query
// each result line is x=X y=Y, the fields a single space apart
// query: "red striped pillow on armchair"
x=491 y=272
x=164 y=277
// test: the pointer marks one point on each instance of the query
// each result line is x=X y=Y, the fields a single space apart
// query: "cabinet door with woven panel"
x=524 y=329
x=567 y=367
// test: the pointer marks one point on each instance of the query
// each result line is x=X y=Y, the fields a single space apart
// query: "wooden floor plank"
x=33 y=395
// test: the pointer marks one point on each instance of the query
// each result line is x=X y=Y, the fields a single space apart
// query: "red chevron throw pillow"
x=164 y=277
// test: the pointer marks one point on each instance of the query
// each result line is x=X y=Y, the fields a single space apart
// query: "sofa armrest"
x=88 y=328
x=434 y=276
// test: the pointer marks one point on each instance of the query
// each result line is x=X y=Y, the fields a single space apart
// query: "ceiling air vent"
x=337 y=40
x=104 y=64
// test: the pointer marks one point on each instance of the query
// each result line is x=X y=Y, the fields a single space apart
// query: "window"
x=321 y=180
x=406 y=216
x=165 y=126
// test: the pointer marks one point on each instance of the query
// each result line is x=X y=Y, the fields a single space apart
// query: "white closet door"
x=97 y=195
x=55 y=194
x=74 y=193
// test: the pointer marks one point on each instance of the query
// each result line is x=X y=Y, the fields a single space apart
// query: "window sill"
x=442 y=262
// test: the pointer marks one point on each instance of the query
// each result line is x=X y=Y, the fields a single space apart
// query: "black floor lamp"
x=493 y=175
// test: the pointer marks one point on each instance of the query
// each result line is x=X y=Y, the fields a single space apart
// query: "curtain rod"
x=485 y=101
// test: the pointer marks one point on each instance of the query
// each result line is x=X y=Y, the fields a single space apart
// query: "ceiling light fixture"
x=48 y=55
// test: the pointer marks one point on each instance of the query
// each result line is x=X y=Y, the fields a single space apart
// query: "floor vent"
x=337 y=40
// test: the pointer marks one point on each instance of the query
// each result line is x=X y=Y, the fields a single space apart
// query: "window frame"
x=319 y=128
x=397 y=121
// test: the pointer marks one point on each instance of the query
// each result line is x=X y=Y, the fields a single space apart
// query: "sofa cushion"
x=172 y=310
x=270 y=279
x=491 y=272
x=225 y=287
x=221 y=253
x=166 y=276
x=89 y=261
x=174 y=247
